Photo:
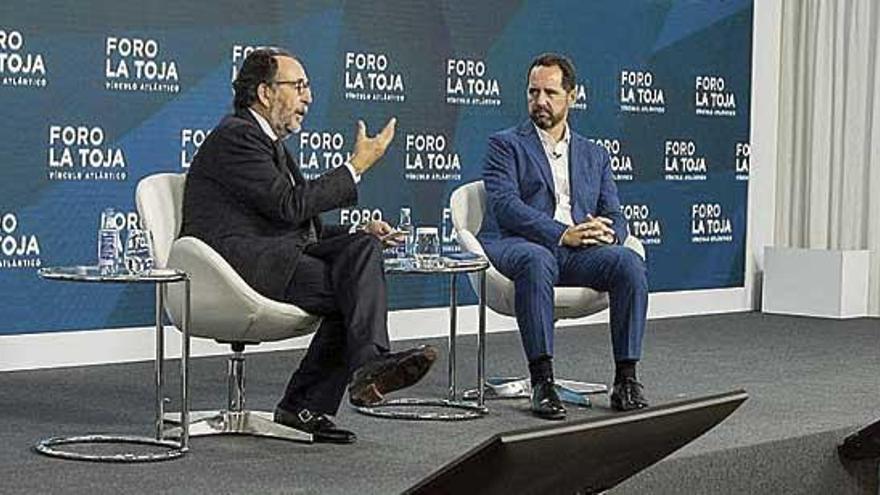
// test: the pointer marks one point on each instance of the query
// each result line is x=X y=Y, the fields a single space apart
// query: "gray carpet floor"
x=804 y=376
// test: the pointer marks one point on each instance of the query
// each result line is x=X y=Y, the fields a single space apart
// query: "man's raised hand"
x=368 y=150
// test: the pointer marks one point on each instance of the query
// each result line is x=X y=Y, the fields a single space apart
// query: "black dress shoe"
x=627 y=395
x=319 y=426
x=545 y=401
x=390 y=372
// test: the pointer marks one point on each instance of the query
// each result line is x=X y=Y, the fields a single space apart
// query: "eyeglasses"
x=300 y=85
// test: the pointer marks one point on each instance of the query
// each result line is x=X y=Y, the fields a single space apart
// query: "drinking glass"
x=138 y=253
x=427 y=248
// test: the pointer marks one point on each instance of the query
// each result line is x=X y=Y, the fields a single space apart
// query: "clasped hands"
x=594 y=231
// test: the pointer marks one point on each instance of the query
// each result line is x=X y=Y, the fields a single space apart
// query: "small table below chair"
x=172 y=449
x=454 y=409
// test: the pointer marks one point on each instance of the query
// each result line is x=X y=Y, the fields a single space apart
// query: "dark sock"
x=624 y=369
x=541 y=369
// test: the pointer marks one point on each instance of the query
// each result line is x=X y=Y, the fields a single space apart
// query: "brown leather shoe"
x=390 y=372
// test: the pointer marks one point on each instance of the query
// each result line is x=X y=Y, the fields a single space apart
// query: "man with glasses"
x=246 y=197
x=554 y=219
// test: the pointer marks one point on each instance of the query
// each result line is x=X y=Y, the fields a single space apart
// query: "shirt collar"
x=547 y=140
x=264 y=125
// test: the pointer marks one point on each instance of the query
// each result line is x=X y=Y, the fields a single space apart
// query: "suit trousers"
x=535 y=270
x=340 y=278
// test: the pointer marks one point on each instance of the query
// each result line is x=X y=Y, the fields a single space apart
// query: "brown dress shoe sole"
x=368 y=396
x=407 y=372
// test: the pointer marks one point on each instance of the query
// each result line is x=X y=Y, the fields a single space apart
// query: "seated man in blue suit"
x=554 y=219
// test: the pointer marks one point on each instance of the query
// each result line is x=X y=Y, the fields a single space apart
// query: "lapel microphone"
x=558 y=150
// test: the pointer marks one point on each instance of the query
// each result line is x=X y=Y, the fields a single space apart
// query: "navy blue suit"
x=522 y=239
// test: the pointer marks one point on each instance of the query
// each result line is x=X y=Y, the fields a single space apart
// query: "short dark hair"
x=259 y=67
x=556 y=60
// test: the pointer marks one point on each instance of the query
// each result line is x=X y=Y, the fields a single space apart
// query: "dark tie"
x=282 y=161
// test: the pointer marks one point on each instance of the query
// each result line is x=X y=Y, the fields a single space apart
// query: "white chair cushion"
x=159 y=201
x=468 y=205
x=223 y=306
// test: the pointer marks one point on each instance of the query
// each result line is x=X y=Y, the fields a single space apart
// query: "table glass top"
x=443 y=265
x=93 y=274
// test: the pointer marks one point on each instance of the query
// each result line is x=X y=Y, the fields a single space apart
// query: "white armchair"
x=468 y=206
x=223 y=308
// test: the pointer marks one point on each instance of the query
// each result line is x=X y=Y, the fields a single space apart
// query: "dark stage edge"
x=811 y=382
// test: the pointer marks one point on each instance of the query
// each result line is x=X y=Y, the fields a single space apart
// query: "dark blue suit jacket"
x=521 y=198
x=239 y=199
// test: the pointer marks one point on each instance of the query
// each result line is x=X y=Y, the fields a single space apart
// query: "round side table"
x=452 y=409
x=170 y=449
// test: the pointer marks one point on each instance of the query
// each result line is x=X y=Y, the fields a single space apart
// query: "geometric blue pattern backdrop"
x=96 y=95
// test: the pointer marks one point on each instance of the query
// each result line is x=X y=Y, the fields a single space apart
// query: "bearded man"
x=554 y=219
x=246 y=197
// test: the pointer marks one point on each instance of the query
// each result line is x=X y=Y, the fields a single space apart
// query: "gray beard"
x=281 y=129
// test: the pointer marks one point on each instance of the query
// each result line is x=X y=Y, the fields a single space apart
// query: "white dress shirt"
x=267 y=129
x=557 y=155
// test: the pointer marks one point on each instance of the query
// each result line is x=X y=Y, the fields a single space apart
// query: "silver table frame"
x=172 y=449
x=460 y=409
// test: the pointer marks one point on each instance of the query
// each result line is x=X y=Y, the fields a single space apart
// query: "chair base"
x=451 y=410
x=570 y=391
x=254 y=423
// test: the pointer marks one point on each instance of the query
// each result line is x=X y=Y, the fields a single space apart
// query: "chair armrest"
x=468 y=242
x=635 y=244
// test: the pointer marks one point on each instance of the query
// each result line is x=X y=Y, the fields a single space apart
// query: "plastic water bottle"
x=109 y=243
x=405 y=226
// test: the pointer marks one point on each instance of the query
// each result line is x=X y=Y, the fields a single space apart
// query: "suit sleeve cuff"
x=354 y=175
x=560 y=230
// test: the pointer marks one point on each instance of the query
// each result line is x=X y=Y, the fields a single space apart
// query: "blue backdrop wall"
x=97 y=95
